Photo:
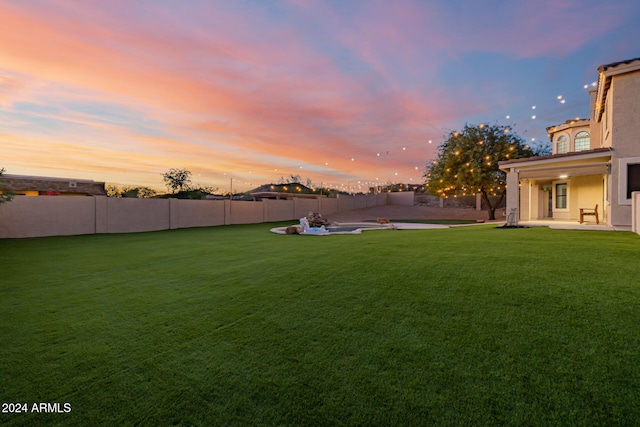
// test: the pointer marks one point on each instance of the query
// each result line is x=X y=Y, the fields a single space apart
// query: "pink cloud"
x=224 y=88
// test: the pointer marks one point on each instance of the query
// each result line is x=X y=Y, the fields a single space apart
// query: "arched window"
x=582 y=141
x=561 y=146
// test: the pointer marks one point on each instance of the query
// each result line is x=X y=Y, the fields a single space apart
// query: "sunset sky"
x=340 y=92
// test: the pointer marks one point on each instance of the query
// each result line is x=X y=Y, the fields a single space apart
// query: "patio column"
x=513 y=191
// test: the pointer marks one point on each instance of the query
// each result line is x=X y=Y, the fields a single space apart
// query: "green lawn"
x=238 y=326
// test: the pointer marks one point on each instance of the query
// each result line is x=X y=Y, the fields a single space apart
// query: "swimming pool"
x=358 y=227
x=347 y=228
x=351 y=228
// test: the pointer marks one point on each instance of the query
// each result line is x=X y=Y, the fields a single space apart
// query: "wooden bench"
x=588 y=211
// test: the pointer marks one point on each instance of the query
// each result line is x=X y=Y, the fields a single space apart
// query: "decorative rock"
x=316 y=220
x=292 y=230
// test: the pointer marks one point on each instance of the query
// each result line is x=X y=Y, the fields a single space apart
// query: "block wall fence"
x=65 y=216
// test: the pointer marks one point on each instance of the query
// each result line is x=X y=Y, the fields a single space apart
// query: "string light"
x=560 y=99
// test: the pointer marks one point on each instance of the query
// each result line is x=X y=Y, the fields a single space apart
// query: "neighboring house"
x=284 y=191
x=44 y=186
x=595 y=161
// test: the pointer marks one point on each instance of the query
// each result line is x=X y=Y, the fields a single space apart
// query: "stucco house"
x=47 y=186
x=594 y=161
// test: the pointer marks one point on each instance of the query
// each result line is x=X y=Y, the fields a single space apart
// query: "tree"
x=5 y=196
x=177 y=179
x=542 y=149
x=128 y=191
x=292 y=179
x=467 y=163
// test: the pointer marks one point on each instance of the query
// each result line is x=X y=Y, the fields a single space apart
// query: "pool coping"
x=366 y=226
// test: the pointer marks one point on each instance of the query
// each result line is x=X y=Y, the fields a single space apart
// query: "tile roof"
x=605 y=67
x=556 y=156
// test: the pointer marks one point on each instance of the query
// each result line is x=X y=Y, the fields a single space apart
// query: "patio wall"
x=64 y=216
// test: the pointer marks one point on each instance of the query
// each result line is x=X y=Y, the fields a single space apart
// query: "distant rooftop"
x=47 y=178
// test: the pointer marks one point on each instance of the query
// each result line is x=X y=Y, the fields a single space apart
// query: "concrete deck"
x=422 y=212
x=573 y=225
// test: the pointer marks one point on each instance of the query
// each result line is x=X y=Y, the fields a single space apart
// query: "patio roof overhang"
x=592 y=162
x=566 y=171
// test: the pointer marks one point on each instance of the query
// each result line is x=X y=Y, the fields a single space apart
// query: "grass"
x=238 y=326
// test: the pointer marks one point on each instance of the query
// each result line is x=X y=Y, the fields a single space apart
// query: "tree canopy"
x=467 y=163
x=177 y=179
x=5 y=196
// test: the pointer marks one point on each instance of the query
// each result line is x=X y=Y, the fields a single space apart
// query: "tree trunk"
x=491 y=208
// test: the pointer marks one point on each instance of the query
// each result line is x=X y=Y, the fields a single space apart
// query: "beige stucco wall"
x=570 y=131
x=43 y=216
x=594 y=125
x=328 y=206
x=404 y=198
x=277 y=210
x=194 y=213
x=586 y=192
x=132 y=215
x=246 y=212
x=625 y=131
x=303 y=206
x=54 y=216
x=525 y=200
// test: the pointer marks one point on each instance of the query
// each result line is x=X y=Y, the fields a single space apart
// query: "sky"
x=241 y=93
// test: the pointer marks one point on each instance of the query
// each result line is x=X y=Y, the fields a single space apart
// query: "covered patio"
x=554 y=188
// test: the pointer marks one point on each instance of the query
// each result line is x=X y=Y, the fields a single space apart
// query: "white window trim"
x=553 y=187
x=622 y=178
x=575 y=138
x=567 y=141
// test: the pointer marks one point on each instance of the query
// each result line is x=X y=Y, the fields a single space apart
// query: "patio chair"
x=589 y=212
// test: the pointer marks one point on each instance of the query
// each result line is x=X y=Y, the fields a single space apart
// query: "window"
x=561 y=196
x=582 y=141
x=633 y=179
x=628 y=178
x=562 y=145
